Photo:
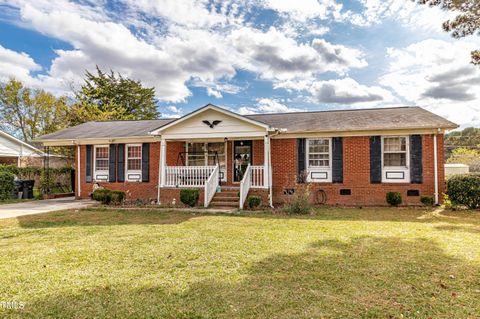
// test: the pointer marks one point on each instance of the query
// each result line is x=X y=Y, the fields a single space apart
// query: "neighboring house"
x=16 y=152
x=452 y=169
x=348 y=157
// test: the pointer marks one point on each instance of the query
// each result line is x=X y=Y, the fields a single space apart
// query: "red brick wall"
x=356 y=174
x=146 y=191
x=173 y=149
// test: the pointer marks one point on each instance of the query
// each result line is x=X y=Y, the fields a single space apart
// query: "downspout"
x=78 y=172
x=159 y=172
x=270 y=187
x=435 y=167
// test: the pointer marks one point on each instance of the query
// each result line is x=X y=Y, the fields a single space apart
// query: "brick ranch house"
x=348 y=157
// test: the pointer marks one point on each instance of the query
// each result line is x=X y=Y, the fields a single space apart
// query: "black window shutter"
x=301 y=149
x=337 y=160
x=375 y=159
x=88 y=163
x=145 y=162
x=416 y=168
x=121 y=163
x=112 y=161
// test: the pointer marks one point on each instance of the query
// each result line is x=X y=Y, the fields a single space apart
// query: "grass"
x=339 y=263
x=13 y=201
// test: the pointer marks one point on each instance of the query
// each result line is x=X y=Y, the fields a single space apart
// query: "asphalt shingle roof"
x=355 y=120
x=321 y=121
x=107 y=129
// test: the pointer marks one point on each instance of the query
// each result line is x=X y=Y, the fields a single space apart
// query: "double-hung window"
x=319 y=160
x=134 y=162
x=395 y=150
x=101 y=162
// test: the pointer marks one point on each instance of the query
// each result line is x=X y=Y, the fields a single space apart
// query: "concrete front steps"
x=226 y=199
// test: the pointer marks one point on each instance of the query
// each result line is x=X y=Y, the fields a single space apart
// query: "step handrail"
x=211 y=186
x=245 y=185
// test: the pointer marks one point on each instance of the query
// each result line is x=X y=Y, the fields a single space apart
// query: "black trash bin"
x=17 y=189
x=28 y=189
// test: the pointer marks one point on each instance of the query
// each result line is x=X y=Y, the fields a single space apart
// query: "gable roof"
x=7 y=151
x=211 y=107
x=393 y=118
x=408 y=117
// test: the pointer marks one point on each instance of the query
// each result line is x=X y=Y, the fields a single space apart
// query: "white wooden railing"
x=187 y=176
x=258 y=176
x=245 y=185
x=211 y=185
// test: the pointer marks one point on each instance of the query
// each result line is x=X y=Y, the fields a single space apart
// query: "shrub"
x=117 y=197
x=299 y=205
x=464 y=190
x=394 y=198
x=7 y=185
x=189 y=196
x=427 y=200
x=102 y=195
x=253 y=201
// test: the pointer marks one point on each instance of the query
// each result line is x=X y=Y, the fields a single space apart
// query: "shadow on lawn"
x=103 y=217
x=367 y=277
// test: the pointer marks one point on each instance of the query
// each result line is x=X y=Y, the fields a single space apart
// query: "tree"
x=113 y=97
x=470 y=157
x=29 y=113
x=465 y=24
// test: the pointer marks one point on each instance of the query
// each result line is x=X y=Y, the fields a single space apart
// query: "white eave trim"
x=159 y=130
x=98 y=140
x=18 y=141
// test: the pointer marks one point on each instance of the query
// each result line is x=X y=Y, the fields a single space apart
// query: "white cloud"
x=303 y=10
x=214 y=93
x=267 y=105
x=348 y=92
x=407 y=12
x=173 y=112
x=275 y=56
x=15 y=64
x=437 y=74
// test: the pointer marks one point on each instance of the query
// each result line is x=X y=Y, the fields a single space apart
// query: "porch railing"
x=187 y=176
x=258 y=176
x=211 y=185
x=245 y=185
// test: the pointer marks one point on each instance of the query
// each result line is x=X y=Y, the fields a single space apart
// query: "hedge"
x=189 y=196
x=464 y=190
x=107 y=196
x=7 y=185
x=253 y=201
x=394 y=198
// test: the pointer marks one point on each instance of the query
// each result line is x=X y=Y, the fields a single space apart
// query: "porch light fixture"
x=225 y=139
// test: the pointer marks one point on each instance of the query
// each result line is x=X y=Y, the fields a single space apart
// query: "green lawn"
x=340 y=263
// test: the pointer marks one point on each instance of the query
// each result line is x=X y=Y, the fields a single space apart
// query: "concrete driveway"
x=42 y=206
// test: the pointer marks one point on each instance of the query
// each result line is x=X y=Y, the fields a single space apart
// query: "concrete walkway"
x=42 y=206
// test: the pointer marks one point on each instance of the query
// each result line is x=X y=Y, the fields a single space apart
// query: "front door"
x=242 y=156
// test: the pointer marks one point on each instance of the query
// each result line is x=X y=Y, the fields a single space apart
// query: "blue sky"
x=252 y=56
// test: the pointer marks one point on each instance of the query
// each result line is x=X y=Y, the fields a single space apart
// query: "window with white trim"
x=101 y=156
x=395 y=151
x=395 y=159
x=134 y=162
x=319 y=153
x=319 y=159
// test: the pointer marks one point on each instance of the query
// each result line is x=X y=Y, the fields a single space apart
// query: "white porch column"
x=163 y=161
x=79 y=183
x=266 y=161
